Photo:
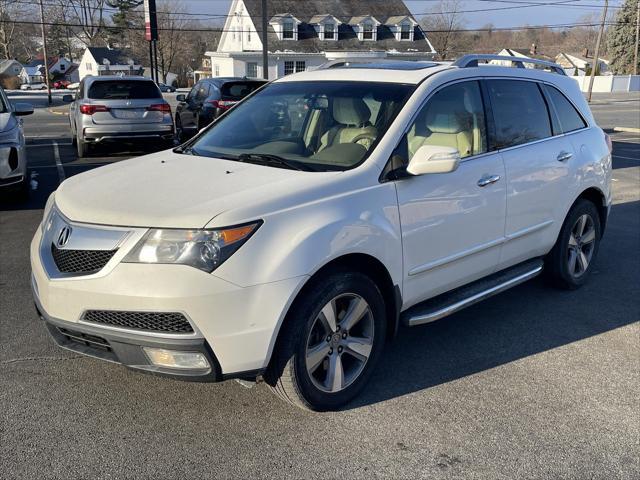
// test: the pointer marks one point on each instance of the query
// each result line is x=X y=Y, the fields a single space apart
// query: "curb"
x=626 y=129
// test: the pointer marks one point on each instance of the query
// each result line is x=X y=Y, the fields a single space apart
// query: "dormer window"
x=365 y=27
x=288 y=30
x=286 y=26
x=402 y=26
x=406 y=31
x=367 y=31
x=329 y=31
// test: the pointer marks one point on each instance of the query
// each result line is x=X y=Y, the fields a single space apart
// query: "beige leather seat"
x=354 y=126
x=444 y=124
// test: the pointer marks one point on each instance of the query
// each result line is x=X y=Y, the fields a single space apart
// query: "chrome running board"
x=452 y=302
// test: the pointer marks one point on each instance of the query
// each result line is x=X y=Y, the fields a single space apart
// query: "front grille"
x=80 y=261
x=164 y=322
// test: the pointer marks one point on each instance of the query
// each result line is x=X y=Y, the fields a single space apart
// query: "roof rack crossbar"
x=467 y=61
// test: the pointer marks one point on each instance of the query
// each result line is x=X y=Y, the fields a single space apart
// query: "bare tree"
x=442 y=25
x=89 y=15
x=9 y=11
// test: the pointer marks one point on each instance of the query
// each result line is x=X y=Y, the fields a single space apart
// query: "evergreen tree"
x=123 y=20
x=622 y=38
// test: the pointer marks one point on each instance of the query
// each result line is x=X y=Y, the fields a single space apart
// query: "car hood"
x=169 y=190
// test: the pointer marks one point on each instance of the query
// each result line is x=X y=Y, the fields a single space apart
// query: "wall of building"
x=239 y=31
x=610 y=83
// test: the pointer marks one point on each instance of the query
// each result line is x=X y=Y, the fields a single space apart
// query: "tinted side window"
x=519 y=111
x=453 y=117
x=569 y=117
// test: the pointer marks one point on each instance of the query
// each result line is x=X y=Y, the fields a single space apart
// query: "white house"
x=33 y=72
x=107 y=61
x=575 y=64
x=10 y=68
x=303 y=35
x=522 y=53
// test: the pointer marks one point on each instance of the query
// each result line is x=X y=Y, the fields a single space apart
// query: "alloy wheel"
x=339 y=343
x=582 y=241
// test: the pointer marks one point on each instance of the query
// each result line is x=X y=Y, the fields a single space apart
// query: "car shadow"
x=626 y=154
x=527 y=320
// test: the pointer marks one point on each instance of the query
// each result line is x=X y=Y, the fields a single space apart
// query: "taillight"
x=223 y=104
x=609 y=144
x=160 y=107
x=91 y=109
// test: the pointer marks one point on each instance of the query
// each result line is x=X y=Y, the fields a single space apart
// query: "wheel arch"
x=361 y=263
x=598 y=198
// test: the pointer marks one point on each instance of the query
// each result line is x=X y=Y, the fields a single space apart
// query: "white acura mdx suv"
x=289 y=240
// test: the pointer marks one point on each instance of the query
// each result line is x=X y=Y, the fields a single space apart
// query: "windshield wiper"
x=269 y=159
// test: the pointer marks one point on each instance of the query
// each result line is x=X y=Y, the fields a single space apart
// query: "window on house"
x=367 y=31
x=249 y=36
x=62 y=67
x=252 y=70
x=329 y=31
x=89 y=66
x=216 y=70
x=293 y=67
x=287 y=30
x=405 y=31
x=233 y=31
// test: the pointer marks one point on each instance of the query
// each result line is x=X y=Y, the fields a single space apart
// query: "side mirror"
x=67 y=98
x=434 y=159
x=181 y=98
x=21 y=109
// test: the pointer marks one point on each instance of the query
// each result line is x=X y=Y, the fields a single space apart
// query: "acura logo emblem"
x=63 y=236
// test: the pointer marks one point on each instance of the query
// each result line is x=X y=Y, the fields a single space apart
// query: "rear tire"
x=331 y=340
x=571 y=260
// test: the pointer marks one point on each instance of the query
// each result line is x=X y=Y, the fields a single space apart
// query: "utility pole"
x=594 y=67
x=44 y=52
x=635 y=53
x=265 y=48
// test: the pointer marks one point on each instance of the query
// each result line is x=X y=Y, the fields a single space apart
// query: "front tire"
x=571 y=260
x=330 y=343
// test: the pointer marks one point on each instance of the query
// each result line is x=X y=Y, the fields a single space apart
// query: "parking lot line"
x=56 y=155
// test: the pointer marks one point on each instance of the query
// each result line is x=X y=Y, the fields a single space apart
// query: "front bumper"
x=237 y=324
x=126 y=348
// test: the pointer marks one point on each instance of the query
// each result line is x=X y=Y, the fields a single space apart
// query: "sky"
x=521 y=14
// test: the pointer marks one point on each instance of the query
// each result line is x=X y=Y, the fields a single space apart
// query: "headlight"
x=47 y=211
x=203 y=249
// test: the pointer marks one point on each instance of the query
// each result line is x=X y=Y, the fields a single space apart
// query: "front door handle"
x=564 y=156
x=488 y=180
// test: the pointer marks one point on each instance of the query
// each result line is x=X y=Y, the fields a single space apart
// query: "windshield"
x=123 y=90
x=315 y=125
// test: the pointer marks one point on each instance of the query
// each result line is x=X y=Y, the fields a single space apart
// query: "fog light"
x=175 y=359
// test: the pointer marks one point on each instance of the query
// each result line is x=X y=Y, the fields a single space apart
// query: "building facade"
x=301 y=36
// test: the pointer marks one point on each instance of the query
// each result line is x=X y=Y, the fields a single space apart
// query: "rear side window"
x=519 y=111
x=238 y=90
x=568 y=116
x=123 y=90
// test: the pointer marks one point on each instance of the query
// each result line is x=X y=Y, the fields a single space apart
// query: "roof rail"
x=467 y=61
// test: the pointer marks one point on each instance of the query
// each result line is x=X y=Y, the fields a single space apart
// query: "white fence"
x=610 y=83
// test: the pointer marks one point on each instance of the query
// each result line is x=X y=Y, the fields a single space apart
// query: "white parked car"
x=290 y=239
x=33 y=86
x=13 y=155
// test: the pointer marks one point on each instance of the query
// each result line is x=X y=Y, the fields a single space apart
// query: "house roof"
x=36 y=62
x=114 y=56
x=527 y=53
x=343 y=10
x=320 y=18
x=397 y=19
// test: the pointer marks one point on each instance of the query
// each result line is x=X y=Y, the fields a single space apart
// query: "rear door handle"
x=488 y=180
x=564 y=156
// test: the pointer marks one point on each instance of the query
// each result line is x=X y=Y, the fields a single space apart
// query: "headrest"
x=350 y=111
x=444 y=122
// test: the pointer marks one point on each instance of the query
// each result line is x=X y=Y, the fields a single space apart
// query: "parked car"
x=207 y=100
x=13 y=155
x=166 y=88
x=116 y=109
x=61 y=84
x=290 y=240
x=33 y=86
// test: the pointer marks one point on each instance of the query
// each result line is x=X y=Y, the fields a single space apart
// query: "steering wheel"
x=364 y=136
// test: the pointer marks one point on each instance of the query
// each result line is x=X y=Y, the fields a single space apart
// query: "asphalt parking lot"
x=535 y=383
